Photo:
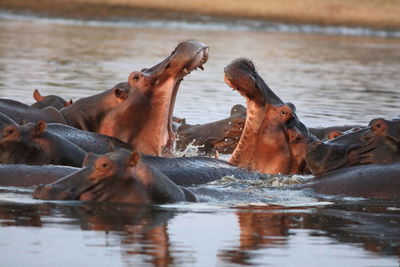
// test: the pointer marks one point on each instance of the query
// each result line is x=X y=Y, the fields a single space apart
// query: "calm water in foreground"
x=331 y=79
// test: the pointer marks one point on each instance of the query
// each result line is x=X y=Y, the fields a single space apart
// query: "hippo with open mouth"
x=142 y=114
x=273 y=140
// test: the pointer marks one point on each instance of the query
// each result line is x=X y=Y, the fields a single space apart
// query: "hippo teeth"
x=185 y=70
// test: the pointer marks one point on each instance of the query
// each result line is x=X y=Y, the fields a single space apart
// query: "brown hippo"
x=31 y=144
x=49 y=100
x=118 y=176
x=144 y=119
x=378 y=143
x=379 y=181
x=221 y=136
x=273 y=140
x=151 y=91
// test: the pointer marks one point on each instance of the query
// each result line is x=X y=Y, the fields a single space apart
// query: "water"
x=331 y=79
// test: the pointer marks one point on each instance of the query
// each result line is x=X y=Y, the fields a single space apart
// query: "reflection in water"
x=142 y=235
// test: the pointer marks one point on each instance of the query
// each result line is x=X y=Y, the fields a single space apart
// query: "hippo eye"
x=104 y=165
x=10 y=131
x=283 y=112
x=136 y=77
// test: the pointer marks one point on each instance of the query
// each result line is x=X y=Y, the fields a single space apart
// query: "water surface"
x=331 y=79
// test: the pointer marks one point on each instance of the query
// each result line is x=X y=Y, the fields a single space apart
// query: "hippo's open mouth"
x=154 y=92
x=241 y=75
x=273 y=139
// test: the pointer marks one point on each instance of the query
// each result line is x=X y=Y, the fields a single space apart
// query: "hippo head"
x=150 y=105
x=378 y=143
x=388 y=128
x=118 y=176
x=50 y=100
x=273 y=140
x=17 y=144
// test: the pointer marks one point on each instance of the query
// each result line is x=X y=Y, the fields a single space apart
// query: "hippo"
x=376 y=144
x=119 y=176
x=154 y=92
x=21 y=113
x=375 y=181
x=151 y=91
x=221 y=136
x=273 y=140
x=31 y=144
x=49 y=100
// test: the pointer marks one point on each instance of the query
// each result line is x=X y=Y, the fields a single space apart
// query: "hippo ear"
x=292 y=106
x=68 y=103
x=238 y=110
x=134 y=158
x=120 y=93
x=37 y=96
x=40 y=127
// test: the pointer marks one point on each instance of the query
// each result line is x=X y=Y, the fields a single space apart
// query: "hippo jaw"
x=265 y=144
x=154 y=94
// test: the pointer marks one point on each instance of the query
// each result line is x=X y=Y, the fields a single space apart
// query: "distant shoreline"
x=375 y=14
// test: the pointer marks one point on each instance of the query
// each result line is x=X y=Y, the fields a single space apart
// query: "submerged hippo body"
x=49 y=101
x=119 y=176
x=88 y=141
x=197 y=170
x=20 y=112
x=222 y=136
x=332 y=131
x=379 y=181
x=22 y=175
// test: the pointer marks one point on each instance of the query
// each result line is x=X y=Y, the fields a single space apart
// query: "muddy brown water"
x=331 y=79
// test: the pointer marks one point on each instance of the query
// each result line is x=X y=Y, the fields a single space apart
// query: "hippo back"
x=188 y=171
x=88 y=141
